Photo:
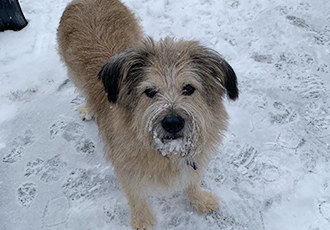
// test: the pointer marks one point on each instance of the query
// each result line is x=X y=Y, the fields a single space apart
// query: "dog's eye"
x=187 y=90
x=150 y=92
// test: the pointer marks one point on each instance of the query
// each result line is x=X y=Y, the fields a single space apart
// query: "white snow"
x=184 y=146
x=272 y=171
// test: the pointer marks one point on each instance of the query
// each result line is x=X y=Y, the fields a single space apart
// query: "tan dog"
x=158 y=105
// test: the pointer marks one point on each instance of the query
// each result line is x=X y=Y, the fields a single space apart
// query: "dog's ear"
x=111 y=74
x=122 y=72
x=210 y=63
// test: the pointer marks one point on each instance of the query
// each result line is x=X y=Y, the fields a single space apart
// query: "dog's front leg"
x=141 y=215
x=202 y=201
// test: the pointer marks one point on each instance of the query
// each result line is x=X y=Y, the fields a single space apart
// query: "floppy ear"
x=111 y=74
x=211 y=64
x=230 y=79
x=122 y=74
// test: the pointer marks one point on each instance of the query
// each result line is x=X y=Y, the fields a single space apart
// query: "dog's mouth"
x=169 y=138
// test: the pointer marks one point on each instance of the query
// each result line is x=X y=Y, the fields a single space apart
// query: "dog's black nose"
x=173 y=123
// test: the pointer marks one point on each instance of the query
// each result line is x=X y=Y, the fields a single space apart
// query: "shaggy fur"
x=132 y=84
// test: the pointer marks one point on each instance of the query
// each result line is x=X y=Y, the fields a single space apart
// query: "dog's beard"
x=182 y=144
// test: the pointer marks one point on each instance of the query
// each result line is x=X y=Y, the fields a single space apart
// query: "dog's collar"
x=189 y=163
x=192 y=164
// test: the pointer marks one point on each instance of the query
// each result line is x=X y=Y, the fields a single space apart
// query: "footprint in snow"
x=26 y=193
x=70 y=131
x=18 y=146
x=56 y=212
x=49 y=171
x=324 y=210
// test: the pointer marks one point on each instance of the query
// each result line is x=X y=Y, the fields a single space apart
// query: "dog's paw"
x=85 y=113
x=204 y=202
x=143 y=220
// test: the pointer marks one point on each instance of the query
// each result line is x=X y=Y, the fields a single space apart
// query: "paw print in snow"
x=14 y=155
x=324 y=68
x=117 y=213
x=323 y=37
x=70 y=131
x=286 y=114
x=86 y=146
x=312 y=87
x=50 y=170
x=224 y=219
x=308 y=159
x=34 y=167
x=18 y=147
x=298 y=22
x=73 y=131
x=304 y=6
x=26 y=193
x=317 y=119
x=284 y=10
x=245 y=161
x=56 y=128
x=287 y=61
x=262 y=58
x=26 y=140
x=85 y=184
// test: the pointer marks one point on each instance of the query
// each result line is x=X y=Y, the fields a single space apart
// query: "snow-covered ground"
x=272 y=171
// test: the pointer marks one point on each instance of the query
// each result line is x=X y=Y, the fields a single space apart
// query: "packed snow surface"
x=272 y=171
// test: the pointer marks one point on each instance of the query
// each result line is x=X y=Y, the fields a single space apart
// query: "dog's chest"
x=187 y=175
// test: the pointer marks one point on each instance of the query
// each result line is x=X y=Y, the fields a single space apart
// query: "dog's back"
x=90 y=33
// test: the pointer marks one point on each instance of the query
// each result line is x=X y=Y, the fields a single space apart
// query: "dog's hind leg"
x=84 y=111
x=202 y=201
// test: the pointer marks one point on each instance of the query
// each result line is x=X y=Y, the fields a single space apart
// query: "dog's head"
x=173 y=91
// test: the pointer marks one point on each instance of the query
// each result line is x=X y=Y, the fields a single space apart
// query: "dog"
x=158 y=104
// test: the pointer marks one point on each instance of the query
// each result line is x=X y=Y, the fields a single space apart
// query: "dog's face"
x=173 y=92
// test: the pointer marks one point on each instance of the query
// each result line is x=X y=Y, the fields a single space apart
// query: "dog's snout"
x=173 y=123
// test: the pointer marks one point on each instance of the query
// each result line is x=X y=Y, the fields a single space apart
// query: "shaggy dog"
x=158 y=105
